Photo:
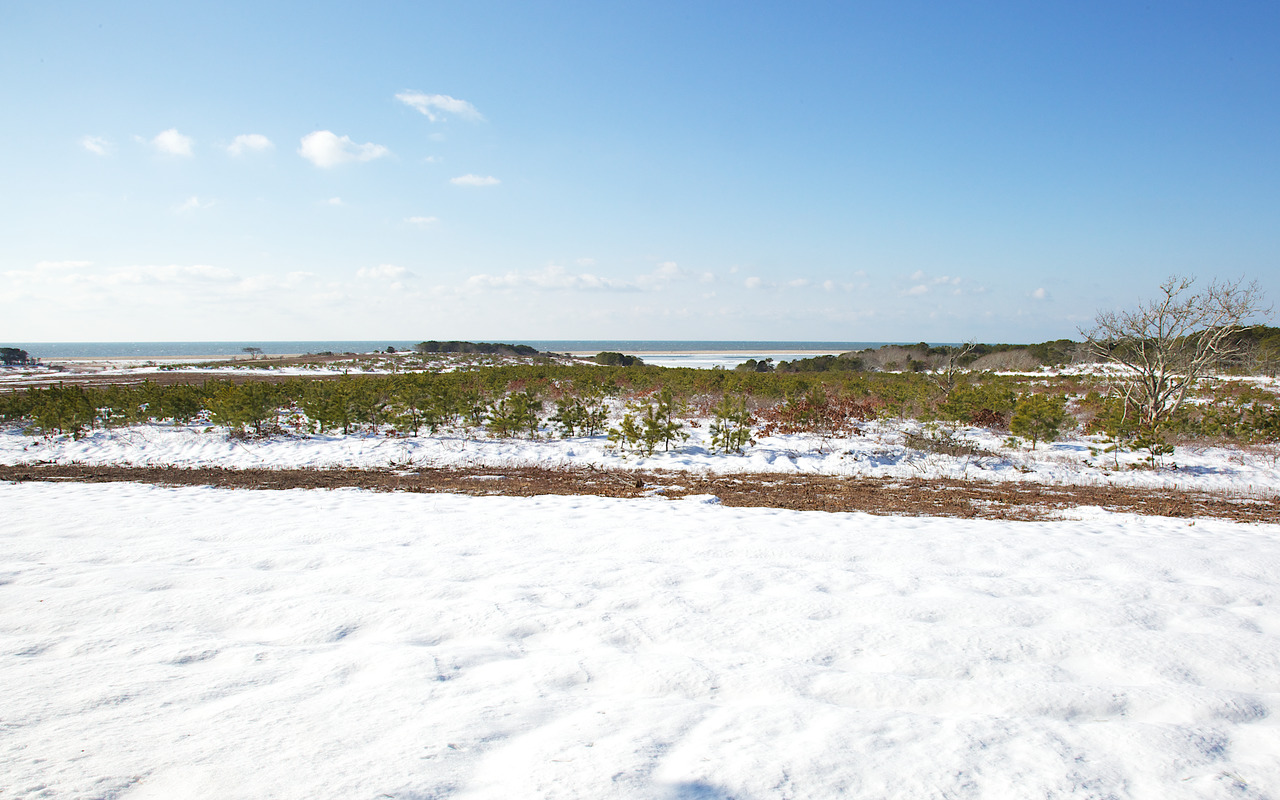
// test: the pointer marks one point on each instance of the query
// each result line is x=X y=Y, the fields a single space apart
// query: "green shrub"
x=730 y=425
x=646 y=425
x=345 y=403
x=63 y=409
x=243 y=406
x=1038 y=417
x=977 y=403
x=515 y=414
x=583 y=415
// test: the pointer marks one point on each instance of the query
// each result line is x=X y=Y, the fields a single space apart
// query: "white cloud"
x=73 y=273
x=326 y=149
x=663 y=273
x=552 y=277
x=194 y=203
x=335 y=201
x=435 y=105
x=557 y=278
x=202 y=301
x=1040 y=294
x=918 y=275
x=829 y=285
x=249 y=142
x=389 y=272
x=475 y=180
x=172 y=143
x=585 y=262
x=54 y=266
x=798 y=283
x=753 y=283
x=96 y=145
x=918 y=289
x=422 y=222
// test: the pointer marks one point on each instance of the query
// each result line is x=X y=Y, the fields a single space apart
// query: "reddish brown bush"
x=986 y=418
x=822 y=413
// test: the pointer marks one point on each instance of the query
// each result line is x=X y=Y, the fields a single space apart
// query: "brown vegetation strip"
x=917 y=497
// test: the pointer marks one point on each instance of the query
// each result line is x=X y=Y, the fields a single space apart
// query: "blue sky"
x=807 y=171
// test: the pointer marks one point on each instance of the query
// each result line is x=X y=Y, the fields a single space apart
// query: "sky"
x=887 y=171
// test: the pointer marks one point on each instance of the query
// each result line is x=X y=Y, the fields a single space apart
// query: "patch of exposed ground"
x=917 y=497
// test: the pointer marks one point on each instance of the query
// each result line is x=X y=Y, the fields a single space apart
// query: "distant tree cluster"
x=609 y=358
x=846 y=362
x=478 y=348
x=14 y=357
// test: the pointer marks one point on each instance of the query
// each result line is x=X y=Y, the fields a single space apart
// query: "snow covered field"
x=197 y=643
x=882 y=451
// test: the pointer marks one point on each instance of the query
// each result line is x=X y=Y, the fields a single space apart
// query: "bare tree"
x=253 y=352
x=1169 y=343
x=946 y=375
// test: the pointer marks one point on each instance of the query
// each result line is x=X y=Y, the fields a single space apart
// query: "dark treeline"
x=478 y=348
x=1254 y=350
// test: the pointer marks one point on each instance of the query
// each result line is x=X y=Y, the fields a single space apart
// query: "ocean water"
x=51 y=351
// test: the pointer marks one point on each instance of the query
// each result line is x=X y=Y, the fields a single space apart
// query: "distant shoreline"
x=209 y=351
x=134 y=360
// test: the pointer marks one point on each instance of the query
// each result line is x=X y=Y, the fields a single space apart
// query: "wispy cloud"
x=552 y=277
x=475 y=180
x=193 y=203
x=249 y=143
x=175 y=300
x=335 y=201
x=172 y=143
x=387 y=272
x=326 y=149
x=96 y=145
x=1040 y=294
x=924 y=283
x=422 y=222
x=55 y=266
x=434 y=106
x=76 y=273
x=556 y=278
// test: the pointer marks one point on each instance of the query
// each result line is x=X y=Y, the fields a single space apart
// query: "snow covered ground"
x=883 y=450
x=198 y=643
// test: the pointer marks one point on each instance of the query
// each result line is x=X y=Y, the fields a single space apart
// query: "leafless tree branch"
x=1169 y=343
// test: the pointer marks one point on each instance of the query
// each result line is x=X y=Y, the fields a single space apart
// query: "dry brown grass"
x=916 y=497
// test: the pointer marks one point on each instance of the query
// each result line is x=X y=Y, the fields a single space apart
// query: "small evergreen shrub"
x=730 y=425
x=581 y=416
x=517 y=413
x=1038 y=417
x=646 y=425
